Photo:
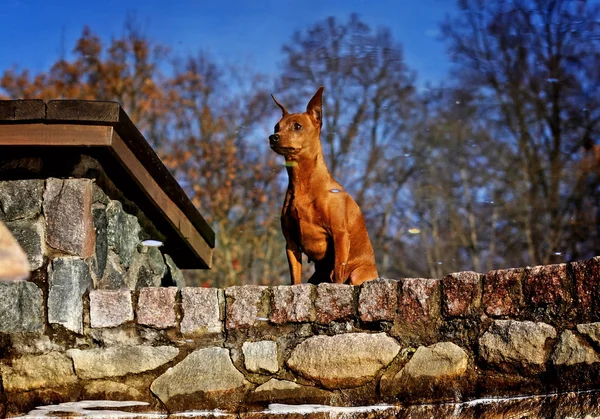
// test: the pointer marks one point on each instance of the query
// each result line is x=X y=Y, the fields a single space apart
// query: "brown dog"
x=319 y=218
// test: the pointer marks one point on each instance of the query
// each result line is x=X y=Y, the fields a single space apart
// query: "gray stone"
x=26 y=343
x=98 y=195
x=175 y=272
x=288 y=392
x=572 y=349
x=147 y=268
x=120 y=360
x=20 y=199
x=205 y=378
x=13 y=261
x=343 y=361
x=68 y=213
x=122 y=232
x=591 y=330
x=114 y=274
x=110 y=308
x=111 y=390
x=21 y=307
x=201 y=310
x=512 y=345
x=246 y=305
x=436 y=365
x=32 y=372
x=30 y=235
x=69 y=279
x=101 y=249
x=261 y=356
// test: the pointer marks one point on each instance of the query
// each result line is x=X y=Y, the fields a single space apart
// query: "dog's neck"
x=308 y=172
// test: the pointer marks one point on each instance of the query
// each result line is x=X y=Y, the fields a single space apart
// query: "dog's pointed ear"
x=315 y=106
x=284 y=111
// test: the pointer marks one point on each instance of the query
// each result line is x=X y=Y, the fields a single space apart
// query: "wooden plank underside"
x=55 y=135
x=172 y=212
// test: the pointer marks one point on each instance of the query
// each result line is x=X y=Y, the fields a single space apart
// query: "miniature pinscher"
x=319 y=218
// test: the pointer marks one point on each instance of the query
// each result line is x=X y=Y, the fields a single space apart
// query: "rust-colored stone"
x=292 y=304
x=503 y=292
x=334 y=302
x=461 y=294
x=378 y=300
x=419 y=299
x=586 y=278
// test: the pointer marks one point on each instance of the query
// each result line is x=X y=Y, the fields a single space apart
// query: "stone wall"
x=76 y=239
x=525 y=331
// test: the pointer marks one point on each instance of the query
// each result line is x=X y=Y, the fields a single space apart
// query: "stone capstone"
x=292 y=304
x=31 y=372
x=13 y=261
x=419 y=300
x=572 y=349
x=261 y=356
x=334 y=302
x=503 y=292
x=30 y=235
x=68 y=213
x=20 y=199
x=462 y=293
x=119 y=360
x=156 y=307
x=343 y=361
x=245 y=306
x=378 y=300
x=122 y=232
x=69 y=279
x=21 y=307
x=511 y=345
x=206 y=378
x=201 y=310
x=110 y=308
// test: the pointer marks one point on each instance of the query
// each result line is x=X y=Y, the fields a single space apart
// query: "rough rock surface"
x=21 y=307
x=120 y=360
x=503 y=292
x=419 y=300
x=288 y=392
x=378 y=300
x=343 y=361
x=334 y=302
x=206 y=379
x=292 y=304
x=175 y=272
x=147 y=268
x=517 y=346
x=13 y=261
x=110 y=308
x=111 y=390
x=586 y=275
x=261 y=356
x=156 y=307
x=20 y=199
x=101 y=249
x=122 y=232
x=114 y=275
x=591 y=330
x=69 y=279
x=462 y=293
x=434 y=372
x=201 y=310
x=68 y=213
x=30 y=235
x=246 y=305
x=572 y=349
x=31 y=372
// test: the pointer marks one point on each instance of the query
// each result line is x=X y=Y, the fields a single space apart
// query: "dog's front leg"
x=341 y=248
x=295 y=262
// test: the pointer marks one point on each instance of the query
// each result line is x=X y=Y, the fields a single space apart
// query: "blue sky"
x=249 y=31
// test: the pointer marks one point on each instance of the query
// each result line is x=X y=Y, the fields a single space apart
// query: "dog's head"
x=297 y=134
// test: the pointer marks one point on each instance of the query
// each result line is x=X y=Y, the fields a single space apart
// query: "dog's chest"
x=308 y=225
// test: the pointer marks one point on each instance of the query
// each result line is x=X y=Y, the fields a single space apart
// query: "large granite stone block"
x=30 y=235
x=110 y=308
x=156 y=307
x=20 y=199
x=201 y=310
x=21 y=307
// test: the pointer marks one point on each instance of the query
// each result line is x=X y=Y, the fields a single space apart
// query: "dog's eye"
x=297 y=126
x=276 y=129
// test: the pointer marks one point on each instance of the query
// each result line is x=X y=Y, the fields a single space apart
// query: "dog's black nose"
x=274 y=138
